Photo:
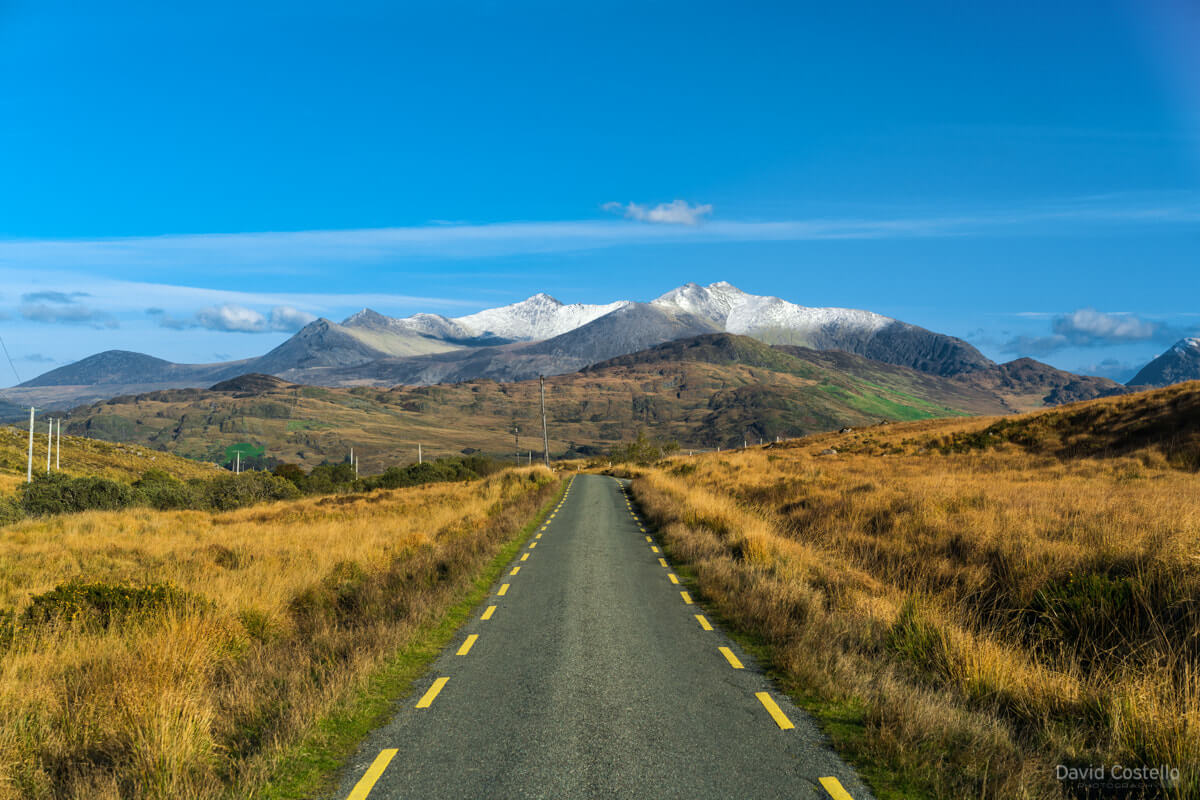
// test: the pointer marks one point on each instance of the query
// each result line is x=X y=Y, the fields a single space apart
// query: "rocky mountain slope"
x=1180 y=363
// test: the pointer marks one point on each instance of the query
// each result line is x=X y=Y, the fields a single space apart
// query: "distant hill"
x=715 y=390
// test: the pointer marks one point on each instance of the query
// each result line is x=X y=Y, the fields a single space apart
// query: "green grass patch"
x=311 y=766
x=307 y=425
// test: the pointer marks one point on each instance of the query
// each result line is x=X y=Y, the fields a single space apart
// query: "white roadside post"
x=49 y=442
x=29 y=466
x=58 y=448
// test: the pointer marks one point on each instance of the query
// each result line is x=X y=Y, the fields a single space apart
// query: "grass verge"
x=309 y=768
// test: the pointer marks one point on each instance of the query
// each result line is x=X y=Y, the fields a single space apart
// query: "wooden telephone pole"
x=545 y=435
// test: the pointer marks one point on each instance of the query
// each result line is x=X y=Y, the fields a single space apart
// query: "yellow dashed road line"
x=835 y=789
x=730 y=657
x=687 y=598
x=663 y=562
x=674 y=580
x=532 y=545
x=503 y=590
x=704 y=623
x=488 y=614
x=466 y=646
x=775 y=711
x=648 y=539
x=427 y=699
x=653 y=548
x=515 y=570
x=524 y=556
x=367 y=781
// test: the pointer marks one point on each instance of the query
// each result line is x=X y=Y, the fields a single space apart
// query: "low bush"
x=227 y=492
x=56 y=493
x=164 y=491
x=102 y=604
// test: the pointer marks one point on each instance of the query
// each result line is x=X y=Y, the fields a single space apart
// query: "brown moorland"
x=971 y=603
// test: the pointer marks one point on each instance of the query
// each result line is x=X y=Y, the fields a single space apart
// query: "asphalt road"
x=592 y=677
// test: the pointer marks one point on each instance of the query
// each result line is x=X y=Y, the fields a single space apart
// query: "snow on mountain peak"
x=538 y=317
x=739 y=312
x=1187 y=346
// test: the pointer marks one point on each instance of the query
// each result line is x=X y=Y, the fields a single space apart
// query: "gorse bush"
x=57 y=493
x=165 y=492
x=227 y=492
x=103 y=604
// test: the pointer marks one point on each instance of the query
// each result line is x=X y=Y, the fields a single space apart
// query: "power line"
x=10 y=361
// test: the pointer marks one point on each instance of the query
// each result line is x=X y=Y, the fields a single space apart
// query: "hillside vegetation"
x=969 y=602
x=90 y=457
x=182 y=654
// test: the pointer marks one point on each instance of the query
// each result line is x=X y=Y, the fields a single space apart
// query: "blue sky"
x=195 y=181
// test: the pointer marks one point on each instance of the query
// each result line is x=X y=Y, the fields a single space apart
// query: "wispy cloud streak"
x=322 y=248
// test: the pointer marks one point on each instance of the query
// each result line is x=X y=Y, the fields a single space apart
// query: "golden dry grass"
x=298 y=602
x=993 y=612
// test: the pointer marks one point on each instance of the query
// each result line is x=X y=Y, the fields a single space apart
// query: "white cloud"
x=287 y=318
x=1088 y=326
x=231 y=318
x=677 y=212
x=235 y=318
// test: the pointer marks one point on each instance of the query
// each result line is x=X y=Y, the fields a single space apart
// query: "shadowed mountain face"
x=541 y=336
x=1180 y=363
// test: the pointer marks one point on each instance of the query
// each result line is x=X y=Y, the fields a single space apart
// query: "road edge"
x=309 y=768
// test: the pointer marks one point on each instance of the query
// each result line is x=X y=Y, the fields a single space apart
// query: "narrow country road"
x=588 y=673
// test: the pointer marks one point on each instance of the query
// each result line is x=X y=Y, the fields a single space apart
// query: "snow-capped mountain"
x=534 y=319
x=751 y=315
x=1180 y=363
x=541 y=335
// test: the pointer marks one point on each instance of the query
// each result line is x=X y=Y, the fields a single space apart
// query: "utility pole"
x=545 y=435
x=29 y=466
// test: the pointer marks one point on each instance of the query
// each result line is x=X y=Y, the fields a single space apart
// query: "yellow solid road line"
x=687 y=598
x=515 y=570
x=427 y=699
x=773 y=709
x=503 y=590
x=524 y=556
x=488 y=614
x=673 y=578
x=662 y=561
x=466 y=646
x=367 y=781
x=835 y=789
x=703 y=622
x=730 y=657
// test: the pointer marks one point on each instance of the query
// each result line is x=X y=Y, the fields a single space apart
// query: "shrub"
x=164 y=491
x=56 y=493
x=228 y=492
x=102 y=604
